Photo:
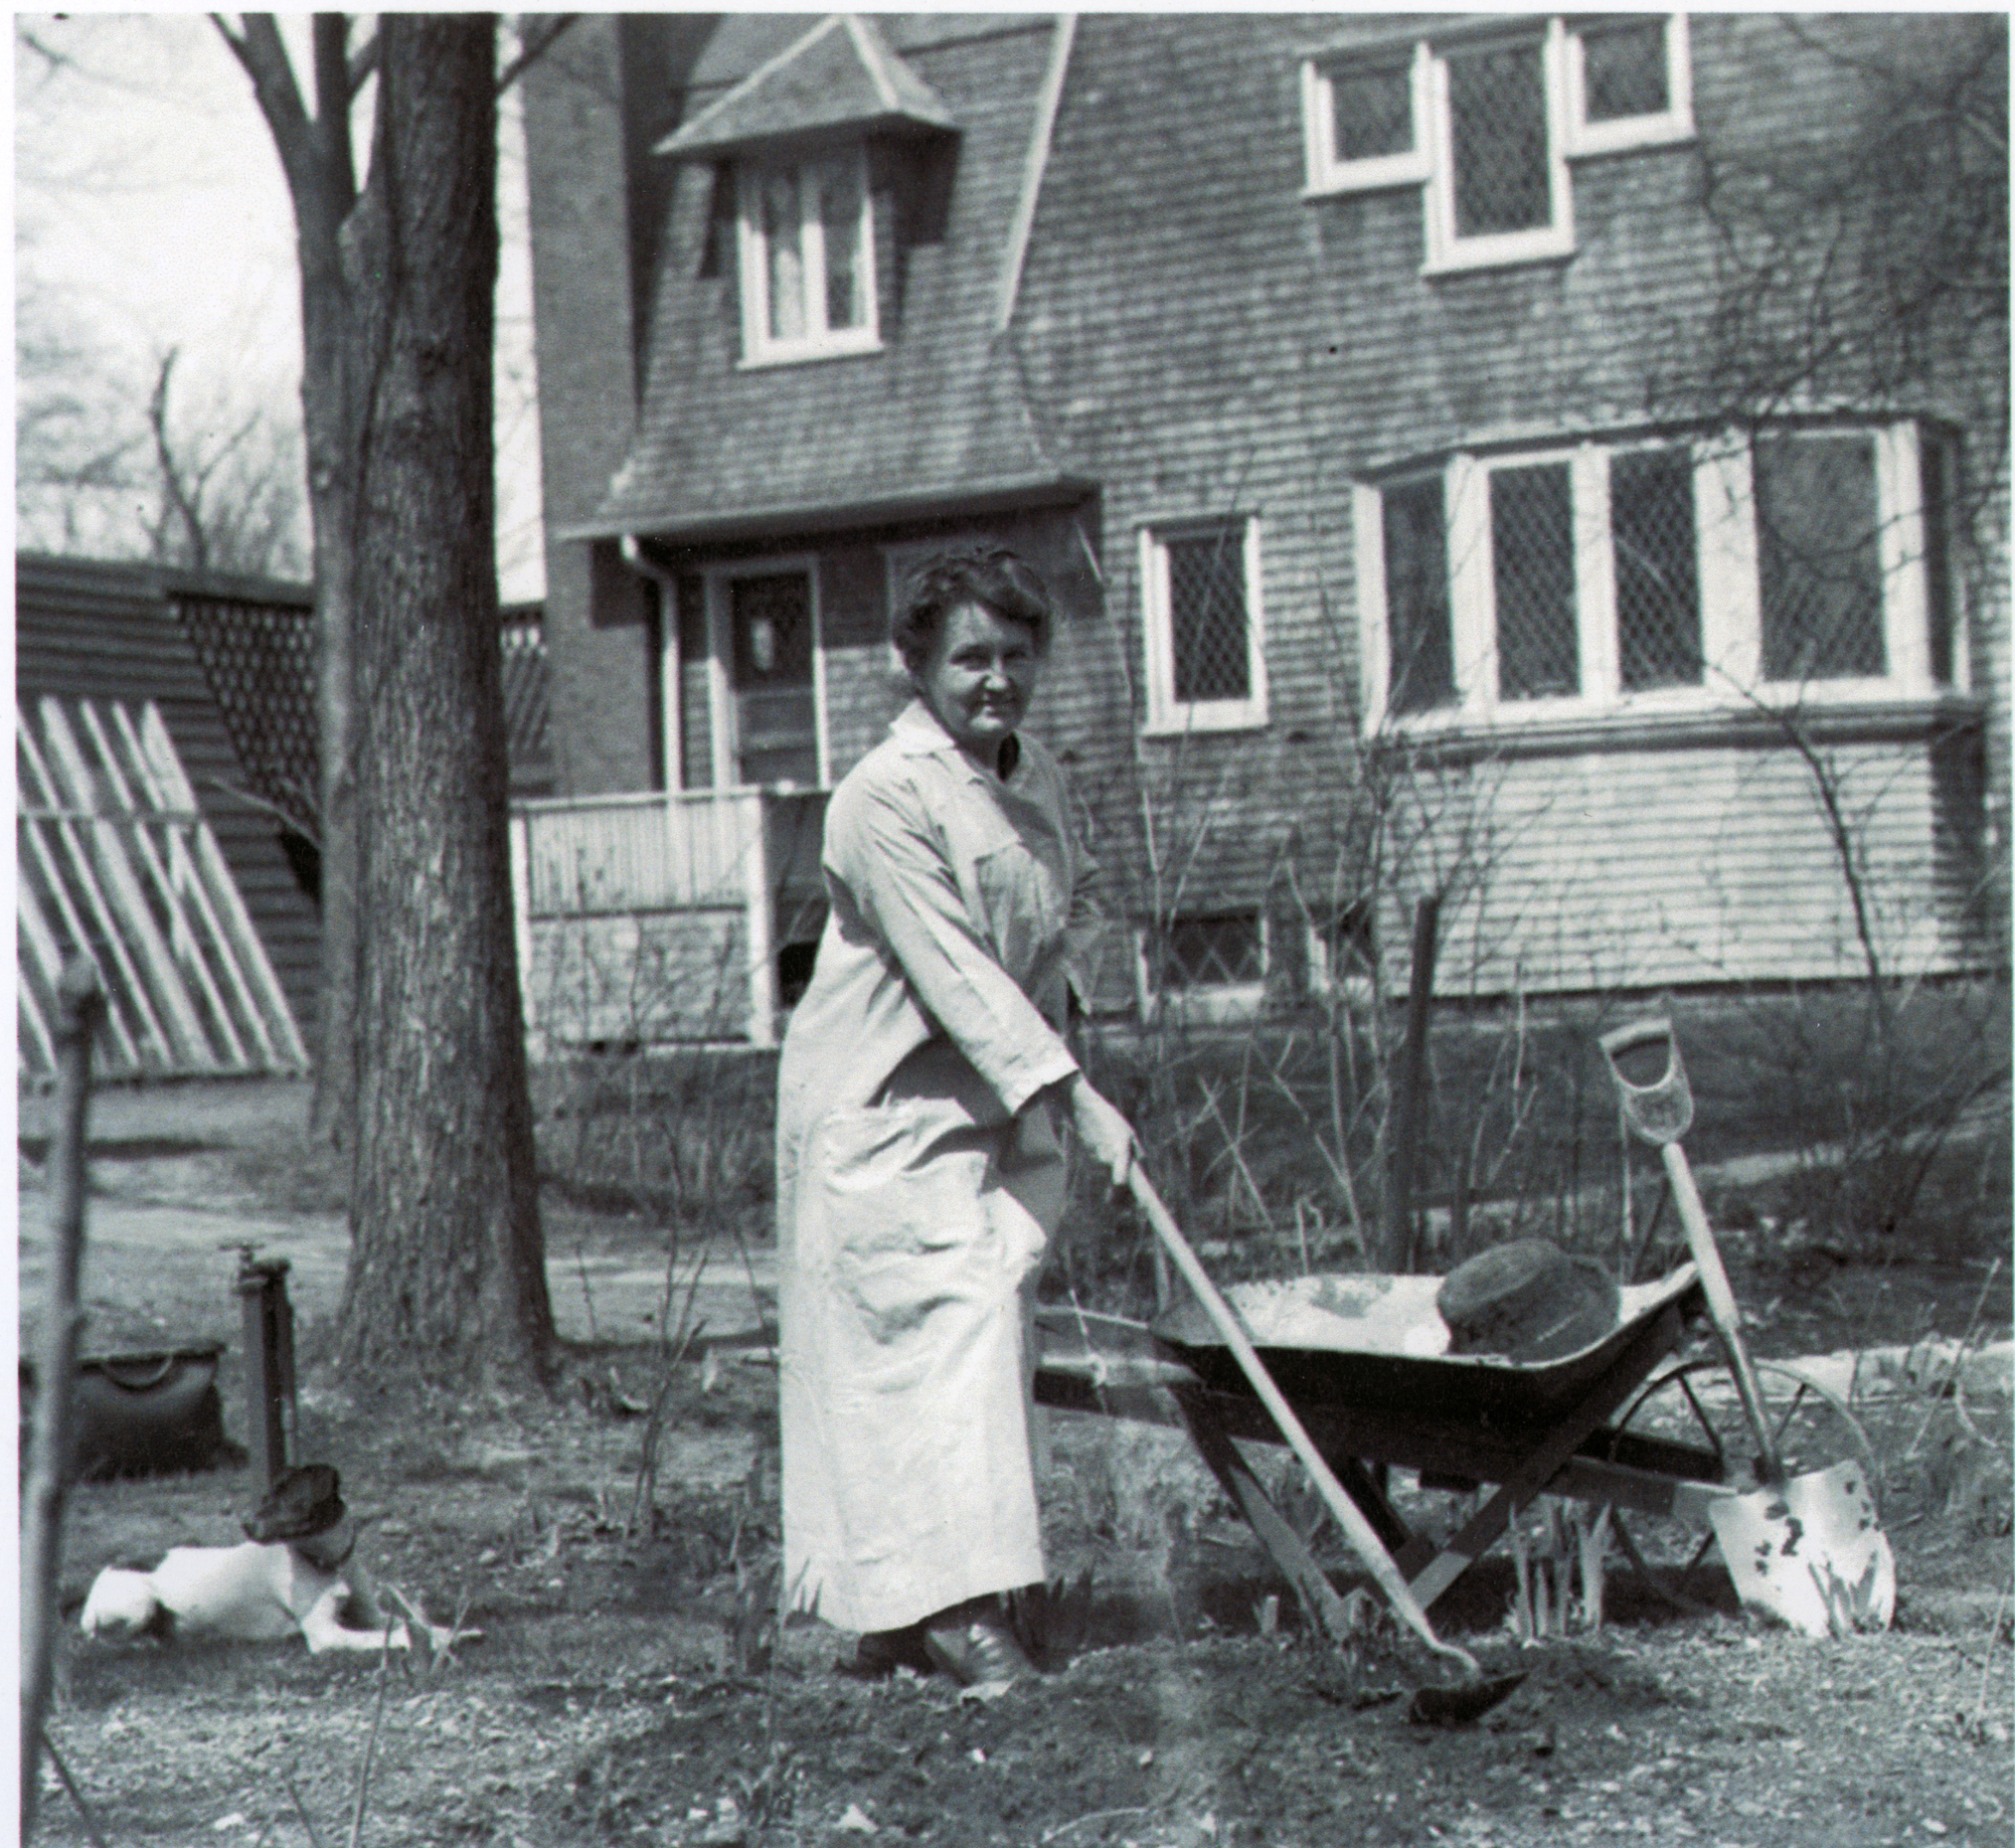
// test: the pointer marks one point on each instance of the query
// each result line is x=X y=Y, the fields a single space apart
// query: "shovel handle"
x=1662 y=1110
x=1360 y=1532
x=1720 y=1304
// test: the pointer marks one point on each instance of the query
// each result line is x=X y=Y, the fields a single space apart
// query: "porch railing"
x=657 y=915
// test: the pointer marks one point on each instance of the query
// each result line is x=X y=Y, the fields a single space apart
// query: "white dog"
x=288 y=1578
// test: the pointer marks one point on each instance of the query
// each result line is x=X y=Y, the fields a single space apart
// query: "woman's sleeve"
x=907 y=894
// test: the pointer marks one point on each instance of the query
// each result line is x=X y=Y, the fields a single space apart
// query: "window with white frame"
x=1205 y=965
x=1204 y=642
x=807 y=258
x=1486 y=116
x=1343 y=949
x=1660 y=572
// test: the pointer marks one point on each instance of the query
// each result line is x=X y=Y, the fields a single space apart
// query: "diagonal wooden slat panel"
x=262 y=985
x=186 y=944
x=88 y=787
x=115 y=859
x=53 y=832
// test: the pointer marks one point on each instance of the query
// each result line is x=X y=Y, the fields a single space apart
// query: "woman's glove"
x=1103 y=1131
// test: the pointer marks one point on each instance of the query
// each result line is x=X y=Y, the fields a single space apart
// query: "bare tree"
x=120 y=453
x=422 y=1034
x=228 y=501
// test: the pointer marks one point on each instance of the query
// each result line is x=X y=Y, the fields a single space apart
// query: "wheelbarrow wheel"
x=1696 y=1405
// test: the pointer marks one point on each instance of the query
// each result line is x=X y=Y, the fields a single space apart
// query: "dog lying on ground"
x=292 y=1577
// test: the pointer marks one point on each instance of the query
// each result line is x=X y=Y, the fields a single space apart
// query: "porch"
x=670 y=917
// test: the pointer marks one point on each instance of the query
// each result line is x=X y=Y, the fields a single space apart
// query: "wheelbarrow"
x=1634 y=1421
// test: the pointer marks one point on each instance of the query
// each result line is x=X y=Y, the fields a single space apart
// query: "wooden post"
x=1409 y=1112
x=268 y=1364
x=757 y=903
x=80 y=1004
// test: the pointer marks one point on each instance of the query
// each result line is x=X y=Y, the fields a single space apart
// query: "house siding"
x=1568 y=876
x=1196 y=338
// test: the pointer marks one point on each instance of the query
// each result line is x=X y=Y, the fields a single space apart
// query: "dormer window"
x=1485 y=118
x=807 y=258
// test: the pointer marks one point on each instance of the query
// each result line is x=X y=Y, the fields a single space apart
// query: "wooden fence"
x=113 y=858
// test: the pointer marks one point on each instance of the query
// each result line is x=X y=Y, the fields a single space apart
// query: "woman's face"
x=979 y=678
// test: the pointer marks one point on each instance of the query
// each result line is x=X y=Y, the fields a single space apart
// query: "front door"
x=770 y=647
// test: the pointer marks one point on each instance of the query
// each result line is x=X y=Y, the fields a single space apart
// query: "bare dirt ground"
x=628 y=1686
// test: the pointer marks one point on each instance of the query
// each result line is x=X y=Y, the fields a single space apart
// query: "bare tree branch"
x=259 y=47
x=178 y=504
x=362 y=65
x=533 y=47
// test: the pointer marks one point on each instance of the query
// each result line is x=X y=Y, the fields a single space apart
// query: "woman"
x=918 y=1173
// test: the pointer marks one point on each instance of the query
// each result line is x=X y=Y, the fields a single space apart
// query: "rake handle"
x=1362 y=1536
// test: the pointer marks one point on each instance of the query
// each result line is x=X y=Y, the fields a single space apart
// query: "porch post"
x=757 y=905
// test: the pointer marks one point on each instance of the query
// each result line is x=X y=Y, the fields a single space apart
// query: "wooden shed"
x=91 y=630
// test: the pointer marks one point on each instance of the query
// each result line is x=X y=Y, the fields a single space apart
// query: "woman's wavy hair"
x=1001 y=579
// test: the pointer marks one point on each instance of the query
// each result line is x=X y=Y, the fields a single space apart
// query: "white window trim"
x=1357 y=989
x=1631 y=131
x=758 y=346
x=1430 y=163
x=1730 y=591
x=720 y=680
x=1215 y=1004
x=1326 y=173
x=1446 y=248
x=1166 y=715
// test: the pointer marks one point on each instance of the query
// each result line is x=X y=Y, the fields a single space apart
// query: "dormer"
x=793 y=139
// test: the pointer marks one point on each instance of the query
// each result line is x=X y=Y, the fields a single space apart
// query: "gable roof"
x=842 y=73
x=937 y=416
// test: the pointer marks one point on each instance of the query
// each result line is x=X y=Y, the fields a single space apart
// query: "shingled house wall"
x=1194 y=337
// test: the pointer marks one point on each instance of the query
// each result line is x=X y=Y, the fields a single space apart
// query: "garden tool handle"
x=1350 y=1517
x=1720 y=1304
x=1661 y=1113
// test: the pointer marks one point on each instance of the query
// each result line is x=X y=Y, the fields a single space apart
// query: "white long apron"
x=919 y=1178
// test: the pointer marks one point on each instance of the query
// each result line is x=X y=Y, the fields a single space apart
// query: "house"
x=1397 y=404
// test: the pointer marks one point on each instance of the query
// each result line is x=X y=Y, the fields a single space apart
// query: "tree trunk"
x=446 y=1262
x=325 y=403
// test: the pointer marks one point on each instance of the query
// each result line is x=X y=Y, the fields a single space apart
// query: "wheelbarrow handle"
x=1350 y=1517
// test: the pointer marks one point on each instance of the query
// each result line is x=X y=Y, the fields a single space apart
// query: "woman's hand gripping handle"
x=1105 y=1133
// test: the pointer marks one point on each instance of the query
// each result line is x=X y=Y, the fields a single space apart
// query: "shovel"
x=1357 y=1529
x=1805 y=1548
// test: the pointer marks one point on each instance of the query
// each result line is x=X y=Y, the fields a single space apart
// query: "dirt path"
x=174 y=1203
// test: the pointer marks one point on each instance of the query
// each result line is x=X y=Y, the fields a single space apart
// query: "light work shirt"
x=916 y=1187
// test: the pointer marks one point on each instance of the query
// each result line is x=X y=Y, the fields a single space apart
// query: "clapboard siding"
x=1642 y=868
x=103 y=631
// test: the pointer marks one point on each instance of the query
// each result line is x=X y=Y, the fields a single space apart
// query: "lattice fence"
x=259 y=661
x=115 y=860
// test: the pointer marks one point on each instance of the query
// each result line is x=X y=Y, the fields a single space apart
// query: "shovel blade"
x=1811 y=1553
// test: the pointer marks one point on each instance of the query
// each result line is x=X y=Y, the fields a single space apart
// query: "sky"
x=151 y=213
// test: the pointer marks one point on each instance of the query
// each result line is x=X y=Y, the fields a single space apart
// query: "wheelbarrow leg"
x=1276 y=1533
x=1656 y=1339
